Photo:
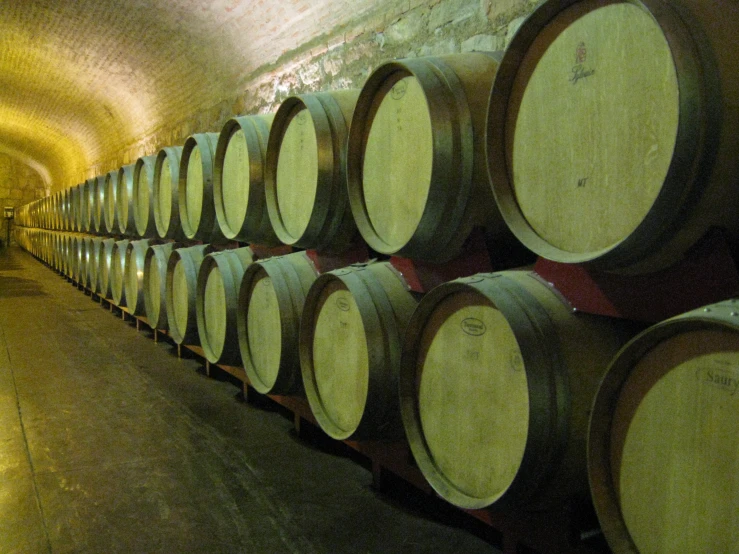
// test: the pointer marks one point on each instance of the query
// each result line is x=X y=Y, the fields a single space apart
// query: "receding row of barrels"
x=583 y=156
x=491 y=378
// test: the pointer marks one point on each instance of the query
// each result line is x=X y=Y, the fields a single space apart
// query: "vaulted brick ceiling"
x=82 y=79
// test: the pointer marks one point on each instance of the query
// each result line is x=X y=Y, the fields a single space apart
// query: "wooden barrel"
x=134 y=275
x=124 y=201
x=497 y=378
x=105 y=258
x=93 y=267
x=195 y=191
x=74 y=206
x=59 y=211
x=69 y=256
x=59 y=251
x=155 y=280
x=83 y=254
x=143 y=192
x=271 y=301
x=78 y=205
x=306 y=170
x=60 y=248
x=238 y=180
x=110 y=218
x=180 y=292
x=166 y=193
x=417 y=177
x=350 y=341
x=217 y=299
x=83 y=214
x=662 y=446
x=612 y=130
x=117 y=273
x=97 y=224
x=61 y=245
x=52 y=206
x=55 y=238
x=88 y=224
x=65 y=207
x=65 y=239
x=74 y=257
x=76 y=254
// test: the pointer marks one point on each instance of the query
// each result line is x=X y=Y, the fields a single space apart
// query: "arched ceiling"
x=82 y=79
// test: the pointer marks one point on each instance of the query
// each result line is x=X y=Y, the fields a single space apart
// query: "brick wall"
x=346 y=56
x=19 y=185
x=92 y=85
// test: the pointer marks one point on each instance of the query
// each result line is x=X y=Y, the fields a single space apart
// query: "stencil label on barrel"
x=473 y=326
x=725 y=378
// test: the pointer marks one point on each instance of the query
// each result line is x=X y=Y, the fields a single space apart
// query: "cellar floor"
x=110 y=443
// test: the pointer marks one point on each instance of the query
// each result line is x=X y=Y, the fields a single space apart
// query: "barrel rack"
x=570 y=528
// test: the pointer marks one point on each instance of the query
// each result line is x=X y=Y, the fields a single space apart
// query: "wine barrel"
x=238 y=180
x=180 y=291
x=662 y=446
x=78 y=207
x=97 y=224
x=117 y=273
x=89 y=263
x=52 y=213
x=55 y=239
x=64 y=240
x=52 y=206
x=83 y=277
x=143 y=192
x=68 y=257
x=195 y=191
x=305 y=174
x=155 y=280
x=46 y=206
x=65 y=209
x=217 y=298
x=59 y=251
x=611 y=130
x=59 y=211
x=88 y=225
x=110 y=219
x=134 y=275
x=417 y=177
x=74 y=206
x=82 y=207
x=496 y=382
x=124 y=201
x=165 y=193
x=350 y=342
x=105 y=259
x=271 y=299
x=93 y=268
x=62 y=253
x=75 y=256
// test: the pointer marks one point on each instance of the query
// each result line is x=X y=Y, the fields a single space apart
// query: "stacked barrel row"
x=560 y=143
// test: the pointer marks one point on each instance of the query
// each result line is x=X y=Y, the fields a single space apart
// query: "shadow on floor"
x=8 y=262
x=14 y=287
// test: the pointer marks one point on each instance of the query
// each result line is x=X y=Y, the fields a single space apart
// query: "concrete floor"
x=110 y=443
